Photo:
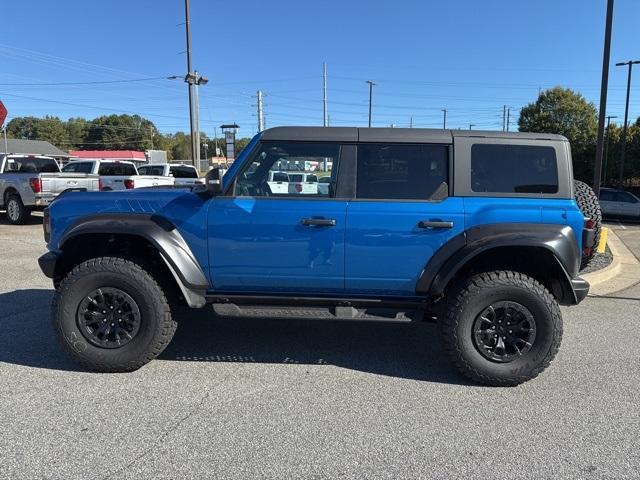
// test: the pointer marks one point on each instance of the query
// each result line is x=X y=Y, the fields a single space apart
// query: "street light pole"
x=630 y=63
x=606 y=149
x=471 y=125
x=371 y=84
x=444 y=119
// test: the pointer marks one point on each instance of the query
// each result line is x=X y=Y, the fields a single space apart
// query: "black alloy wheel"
x=109 y=318
x=504 y=331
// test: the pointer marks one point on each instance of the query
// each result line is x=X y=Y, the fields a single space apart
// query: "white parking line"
x=623 y=227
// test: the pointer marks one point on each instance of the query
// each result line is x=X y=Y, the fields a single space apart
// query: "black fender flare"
x=160 y=233
x=560 y=240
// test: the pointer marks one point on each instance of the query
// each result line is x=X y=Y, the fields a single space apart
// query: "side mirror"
x=213 y=182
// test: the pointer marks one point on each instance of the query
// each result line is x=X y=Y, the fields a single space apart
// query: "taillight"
x=46 y=225
x=35 y=184
x=298 y=188
x=129 y=184
x=99 y=184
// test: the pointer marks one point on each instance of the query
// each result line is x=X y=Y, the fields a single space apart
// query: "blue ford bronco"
x=478 y=231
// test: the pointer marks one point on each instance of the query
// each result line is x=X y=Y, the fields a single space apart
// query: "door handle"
x=434 y=224
x=318 y=222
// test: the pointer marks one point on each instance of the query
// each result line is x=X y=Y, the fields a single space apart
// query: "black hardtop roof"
x=400 y=135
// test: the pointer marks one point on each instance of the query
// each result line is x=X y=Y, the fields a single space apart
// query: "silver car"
x=617 y=203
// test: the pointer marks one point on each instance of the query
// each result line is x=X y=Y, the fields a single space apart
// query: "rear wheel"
x=17 y=213
x=590 y=207
x=501 y=328
x=111 y=315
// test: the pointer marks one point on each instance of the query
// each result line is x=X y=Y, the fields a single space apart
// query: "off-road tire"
x=156 y=324
x=17 y=213
x=590 y=207
x=469 y=298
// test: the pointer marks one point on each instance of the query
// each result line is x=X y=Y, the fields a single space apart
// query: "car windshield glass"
x=32 y=165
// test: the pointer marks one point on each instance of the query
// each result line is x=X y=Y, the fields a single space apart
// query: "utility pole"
x=504 y=118
x=630 y=63
x=193 y=79
x=606 y=150
x=410 y=122
x=260 y=116
x=604 y=85
x=444 y=119
x=325 y=118
x=508 y=113
x=371 y=84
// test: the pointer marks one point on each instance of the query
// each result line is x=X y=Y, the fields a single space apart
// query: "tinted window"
x=280 y=177
x=607 y=196
x=117 y=169
x=626 y=197
x=77 y=167
x=151 y=170
x=183 y=172
x=513 y=169
x=31 y=165
x=409 y=172
x=272 y=158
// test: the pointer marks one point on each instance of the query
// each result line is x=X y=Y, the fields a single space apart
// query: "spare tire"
x=590 y=207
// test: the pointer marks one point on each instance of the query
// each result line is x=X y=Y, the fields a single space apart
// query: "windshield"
x=32 y=165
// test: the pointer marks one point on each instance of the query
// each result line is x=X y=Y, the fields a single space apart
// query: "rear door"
x=263 y=240
x=401 y=216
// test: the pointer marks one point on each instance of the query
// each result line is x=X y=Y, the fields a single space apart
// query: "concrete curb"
x=623 y=272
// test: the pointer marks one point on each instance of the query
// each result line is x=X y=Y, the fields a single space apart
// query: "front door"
x=274 y=239
x=400 y=217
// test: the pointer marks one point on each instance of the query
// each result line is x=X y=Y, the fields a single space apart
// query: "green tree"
x=77 y=131
x=565 y=112
x=121 y=132
x=24 y=128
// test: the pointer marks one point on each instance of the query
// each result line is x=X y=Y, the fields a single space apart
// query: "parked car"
x=278 y=182
x=31 y=182
x=117 y=175
x=323 y=185
x=304 y=183
x=618 y=203
x=183 y=174
x=489 y=246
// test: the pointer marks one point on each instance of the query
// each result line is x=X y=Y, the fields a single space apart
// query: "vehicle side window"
x=513 y=169
x=284 y=169
x=606 y=196
x=116 y=169
x=403 y=172
x=182 y=172
x=626 y=197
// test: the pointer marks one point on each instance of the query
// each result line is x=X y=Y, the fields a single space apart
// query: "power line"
x=97 y=82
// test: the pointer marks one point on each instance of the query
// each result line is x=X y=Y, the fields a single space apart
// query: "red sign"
x=3 y=113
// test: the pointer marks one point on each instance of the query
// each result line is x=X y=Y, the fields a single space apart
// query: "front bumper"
x=47 y=263
x=580 y=288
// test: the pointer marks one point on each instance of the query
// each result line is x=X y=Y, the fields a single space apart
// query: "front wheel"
x=501 y=328
x=111 y=315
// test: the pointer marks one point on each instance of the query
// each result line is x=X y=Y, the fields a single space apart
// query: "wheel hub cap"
x=109 y=318
x=12 y=209
x=504 y=331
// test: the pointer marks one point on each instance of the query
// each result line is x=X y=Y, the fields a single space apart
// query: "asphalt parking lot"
x=255 y=398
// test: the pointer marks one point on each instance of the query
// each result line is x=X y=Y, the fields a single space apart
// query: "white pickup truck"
x=31 y=182
x=116 y=174
x=183 y=174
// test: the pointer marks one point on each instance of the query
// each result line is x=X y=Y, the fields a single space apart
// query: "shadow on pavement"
x=31 y=220
x=399 y=350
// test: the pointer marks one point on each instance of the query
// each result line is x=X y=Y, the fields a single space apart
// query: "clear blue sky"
x=468 y=56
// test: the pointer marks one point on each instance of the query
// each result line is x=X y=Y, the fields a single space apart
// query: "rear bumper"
x=580 y=289
x=44 y=200
x=48 y=262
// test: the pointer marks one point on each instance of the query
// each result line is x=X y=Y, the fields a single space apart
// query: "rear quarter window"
x=508 y=169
